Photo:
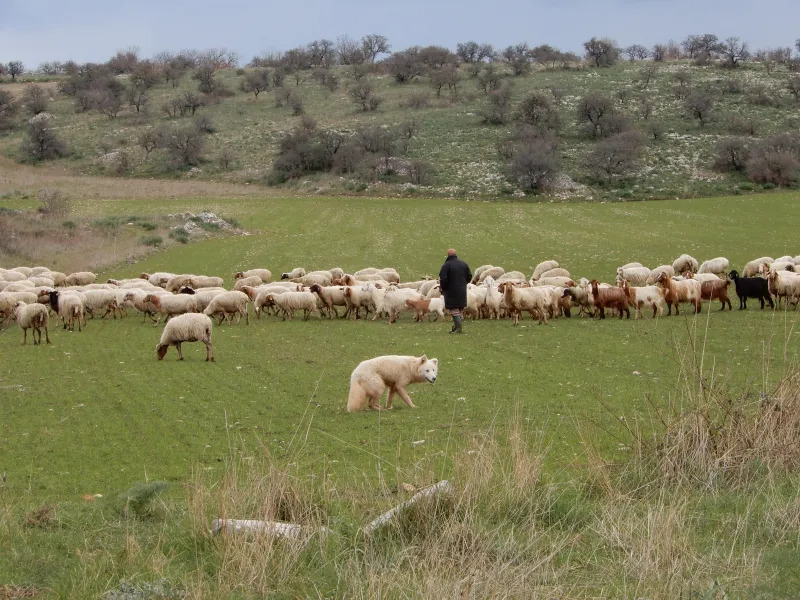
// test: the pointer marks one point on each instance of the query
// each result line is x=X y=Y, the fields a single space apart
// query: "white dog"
x=371 y=377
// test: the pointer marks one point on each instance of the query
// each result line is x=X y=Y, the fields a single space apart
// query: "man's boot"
x=456 y=324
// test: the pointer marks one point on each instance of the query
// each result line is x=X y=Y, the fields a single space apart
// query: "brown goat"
x=716 y=290
x=420 y=307
x=676 y=292
x=610 y=298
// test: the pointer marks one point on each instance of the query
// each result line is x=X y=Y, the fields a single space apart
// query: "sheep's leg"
x=25 y=337
x=180 y=354
x=209 y=351
x=46 y=335
x=246 y=316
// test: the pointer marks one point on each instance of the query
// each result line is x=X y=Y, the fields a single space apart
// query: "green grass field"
x=95 y=413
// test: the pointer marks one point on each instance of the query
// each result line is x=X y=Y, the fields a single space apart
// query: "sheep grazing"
x=650 y=296
x=676 y=292
x=543 y=267
x=80 y=278
x=291 y=301
x=9 y=275
x=609 y=298
x=652 y=279
x=426 y=306
x=631 y=265
x=562 y=282
x=557 y=272
x=227 y=304
x=494 y=272
x=716 y=290
x=509 y=276
x=534 y=300
x=331 y=297
x=784 y=284
x=172 y=306
x=32 y=316
x=336 y=272
x=157 y=279
x=68 y=307
x=205 y=281
x=778 y=265
x=717 y=266
x=753 y=268
x=479 y=271
x=751 y=287
x=251 y=281
x=314 y=278
x=265 y=275
x=685 y=263
x=193 y=327
x=97 y=300
x=636 y=276
x=294 y=273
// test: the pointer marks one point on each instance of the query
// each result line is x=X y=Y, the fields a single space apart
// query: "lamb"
x=754 y=266
x=636 y=276
x=192 y=327
x=784 y=284
x=652 y=279
x=716 y=290
x=718 y=266
x=227 y=304
x=685 y=262
x=294 y=273
x=265 y=275
x=259 y=299
x=533 y=299
x=80 y=278
x=651 y=296
x=676 y=292
x=68 y=307
x=557 y=272
x=426 y=306
x=251 y=281
x=610 y=298
x=172 y=305
x=32 y=316
x=751 y=287
x=331 y=297
x=543 y=267
x=291 y=301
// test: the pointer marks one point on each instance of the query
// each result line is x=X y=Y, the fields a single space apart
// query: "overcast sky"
x=88 y=30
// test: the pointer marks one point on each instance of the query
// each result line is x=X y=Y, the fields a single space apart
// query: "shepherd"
x=453 y=279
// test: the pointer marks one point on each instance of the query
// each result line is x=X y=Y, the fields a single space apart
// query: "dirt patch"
x=17 y=88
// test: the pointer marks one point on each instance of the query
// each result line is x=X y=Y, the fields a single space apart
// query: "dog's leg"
x=389 y=398
x=404 y=395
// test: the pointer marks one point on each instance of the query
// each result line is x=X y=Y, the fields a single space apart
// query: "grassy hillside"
x=451 y=137
x=532 y=422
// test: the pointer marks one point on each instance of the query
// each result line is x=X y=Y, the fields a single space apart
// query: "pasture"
x=95 y=413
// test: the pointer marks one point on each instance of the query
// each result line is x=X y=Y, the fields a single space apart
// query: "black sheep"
x=751 y=287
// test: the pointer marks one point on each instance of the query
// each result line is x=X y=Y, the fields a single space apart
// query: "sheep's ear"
x=422 y=359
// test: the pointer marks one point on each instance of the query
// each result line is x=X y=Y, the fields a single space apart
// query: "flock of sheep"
x=189 y=302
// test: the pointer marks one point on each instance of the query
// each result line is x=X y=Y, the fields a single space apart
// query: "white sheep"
x=96 y=300
x=294 y=273
x=563 y=282
x=9 y=275
x=265 y=275
x=171 y=305
x=69 y=308
x=203 y=296
x=291 y=301
x=784 y=284
x=543 y=267
x=479 y=271
x=508 y=276
x=718 y=266
x=41 y=281
x=493 y=298
x=331 y=298
x=205 y=281
x=39 y=270
x=685 y=263
x=631 y=265
x=315 y=277
x=634 y=275
x=651 y=296
x=358 y=297
x=494 y=272
x=80 y=278
x=59 y=279
x=336 y=272
x=159 y=279
x=251 y=281
x=32 y=316
x=753 y=268
x=24 y=270
x=426 y=287
x=227 y=304
x=392 y=301
x=193 y=327
x=652 y=279
x=779 y=265
x=557 y=272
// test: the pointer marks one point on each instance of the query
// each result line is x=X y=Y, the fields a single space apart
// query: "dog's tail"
x=357 y=399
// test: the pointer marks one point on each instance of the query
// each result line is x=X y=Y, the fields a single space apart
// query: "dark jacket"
x=453 y=279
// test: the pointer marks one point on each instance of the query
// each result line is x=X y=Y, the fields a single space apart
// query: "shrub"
x=731 y=154
x=297 y=105
x=151 y=240
x=498 y=106
x=535 y=164
x=179 y=234
x=700 y=105
x=594 y=111
x=537 y=110
x=361 y=93
x=34 y=99
x=617 y=155
x=420 y=172
x=738 y=125
x=203 y=124
x=41 y=142
x=185 y=145
x=417 y=101
x=136 y=501
x=54 y=202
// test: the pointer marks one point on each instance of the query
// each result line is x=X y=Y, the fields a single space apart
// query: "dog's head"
x=428 y=368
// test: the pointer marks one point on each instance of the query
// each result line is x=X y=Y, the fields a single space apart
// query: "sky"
x=34 y=31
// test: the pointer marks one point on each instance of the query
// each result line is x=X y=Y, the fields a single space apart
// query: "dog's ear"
x=422 y=359
x=435 y=361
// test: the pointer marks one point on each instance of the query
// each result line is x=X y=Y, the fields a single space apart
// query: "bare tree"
x=636 y=52
x=489 y=78
x=185 y=145
x=321 y=53
x=405 y=65
x=518 y=57
x=692 y=45
x=41 y=142
x=659 y=53
x=646 y=75
x=593 y=113
x=731 y=154
x=498 y=107
x=191 y=102
x=138 y=98
x=149 y=140
x=601 y=52
x=256 y=81
x=446 y=76
x=362 y=94
x=34 y=98
x=535 y=164
x=144 y=75
x=373 y=44
x=616 y=156
x=733 y=51
x=700 y=105
x=349 y=51
x=124 y=61
x=473 y=52
x=536 y=110
x=14 y=68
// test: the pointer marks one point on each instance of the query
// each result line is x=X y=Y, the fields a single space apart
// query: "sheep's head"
x=315 y=289
x=238 y=275
x=144 y=276
x=285 y=275
x=734 y=275
x=269 y=300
